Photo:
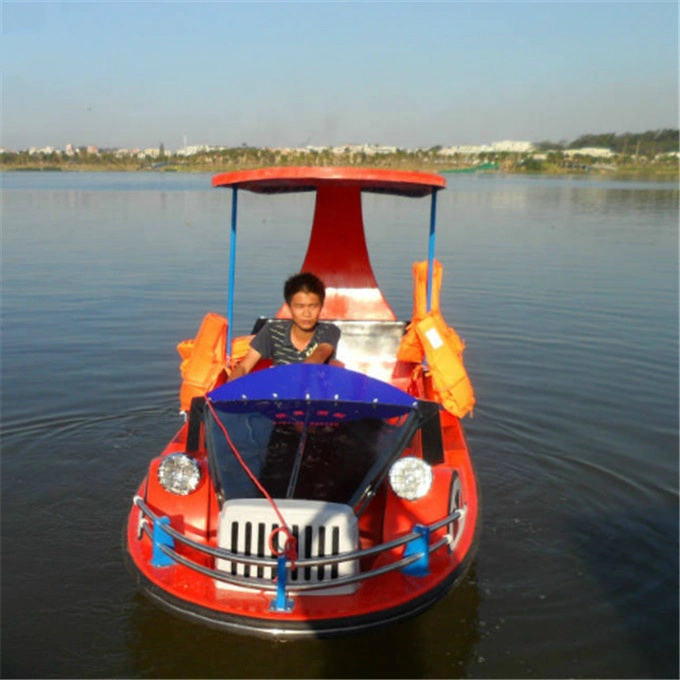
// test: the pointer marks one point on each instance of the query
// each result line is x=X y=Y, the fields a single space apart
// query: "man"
x=302 y=338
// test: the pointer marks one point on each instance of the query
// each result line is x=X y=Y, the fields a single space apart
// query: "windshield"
x=303 y=458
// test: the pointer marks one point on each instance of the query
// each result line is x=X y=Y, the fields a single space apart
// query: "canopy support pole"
x=430 y=254
x=232 y=267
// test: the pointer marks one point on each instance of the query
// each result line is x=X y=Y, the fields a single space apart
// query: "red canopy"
x=285 y=179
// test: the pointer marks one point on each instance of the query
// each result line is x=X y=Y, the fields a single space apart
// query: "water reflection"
x=438 y=643
x=633 y=556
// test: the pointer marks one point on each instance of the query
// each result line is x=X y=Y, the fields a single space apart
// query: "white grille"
x=322 y=529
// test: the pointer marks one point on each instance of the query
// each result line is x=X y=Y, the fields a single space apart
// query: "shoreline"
x=628 y=172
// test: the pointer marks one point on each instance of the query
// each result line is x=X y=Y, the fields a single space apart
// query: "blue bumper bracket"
x=161 y=537
x=281 y=603
x=418 y=546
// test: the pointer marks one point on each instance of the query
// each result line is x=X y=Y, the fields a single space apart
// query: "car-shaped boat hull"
x=316 y=500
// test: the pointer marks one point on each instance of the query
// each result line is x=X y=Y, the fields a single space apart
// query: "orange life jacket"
x=450 y=380
x=429 y=338
x=203 y=364
x=411 y=348
x=203 y=359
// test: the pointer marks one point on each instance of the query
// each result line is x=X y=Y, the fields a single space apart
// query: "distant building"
x=380 y=149
x=594 y=152
x=196 y=149
x=468 y=150
x=513 y=147
x=42 y=150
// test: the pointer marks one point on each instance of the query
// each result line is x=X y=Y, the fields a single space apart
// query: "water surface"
x=566 y=293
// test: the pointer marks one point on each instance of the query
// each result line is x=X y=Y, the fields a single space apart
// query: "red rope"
x=290 y=546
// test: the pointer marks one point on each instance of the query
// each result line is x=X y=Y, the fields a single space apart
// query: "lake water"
x=566 y=293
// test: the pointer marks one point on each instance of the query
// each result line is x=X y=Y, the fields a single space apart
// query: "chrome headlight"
x=411 y=478
x=179 y=474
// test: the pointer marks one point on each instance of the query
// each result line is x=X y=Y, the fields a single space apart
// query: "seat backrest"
x=370 y=347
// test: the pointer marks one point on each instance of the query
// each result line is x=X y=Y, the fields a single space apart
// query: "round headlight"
x=179 y=474
x=411 y=478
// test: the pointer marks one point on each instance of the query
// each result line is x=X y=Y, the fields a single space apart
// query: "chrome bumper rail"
x=265 y=585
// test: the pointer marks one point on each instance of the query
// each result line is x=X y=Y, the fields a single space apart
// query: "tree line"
x=649 y=144
x=633 y=148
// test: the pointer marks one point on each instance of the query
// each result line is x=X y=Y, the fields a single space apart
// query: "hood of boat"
x=332 y=392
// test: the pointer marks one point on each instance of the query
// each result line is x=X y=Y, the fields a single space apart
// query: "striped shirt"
x=273 y=341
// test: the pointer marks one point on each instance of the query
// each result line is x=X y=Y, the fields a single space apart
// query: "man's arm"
x=245 y=365
x=321 y=354
x=328 y=344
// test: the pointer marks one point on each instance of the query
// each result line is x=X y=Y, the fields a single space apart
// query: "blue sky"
x=409 y=74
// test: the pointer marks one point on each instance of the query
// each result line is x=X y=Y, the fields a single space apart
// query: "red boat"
x=317 y=500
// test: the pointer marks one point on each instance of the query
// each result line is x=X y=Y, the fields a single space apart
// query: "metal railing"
x=149 y=520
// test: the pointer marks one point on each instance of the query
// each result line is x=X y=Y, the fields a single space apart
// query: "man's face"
x=305 y=309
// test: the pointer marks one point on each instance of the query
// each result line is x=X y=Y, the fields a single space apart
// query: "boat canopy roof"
x=324 y=392
x=290 y=179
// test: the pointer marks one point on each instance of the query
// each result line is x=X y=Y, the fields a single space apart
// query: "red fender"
x=401 y=515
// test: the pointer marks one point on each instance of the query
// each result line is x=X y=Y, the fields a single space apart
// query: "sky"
x=130 y=73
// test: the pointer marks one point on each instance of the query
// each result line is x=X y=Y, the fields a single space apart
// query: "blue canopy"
x=327 y=393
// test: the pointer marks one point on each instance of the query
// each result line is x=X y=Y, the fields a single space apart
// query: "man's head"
x=304 y=294
x=305 y=282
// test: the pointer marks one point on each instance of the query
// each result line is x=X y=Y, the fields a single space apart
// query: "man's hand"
x=246 y=365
